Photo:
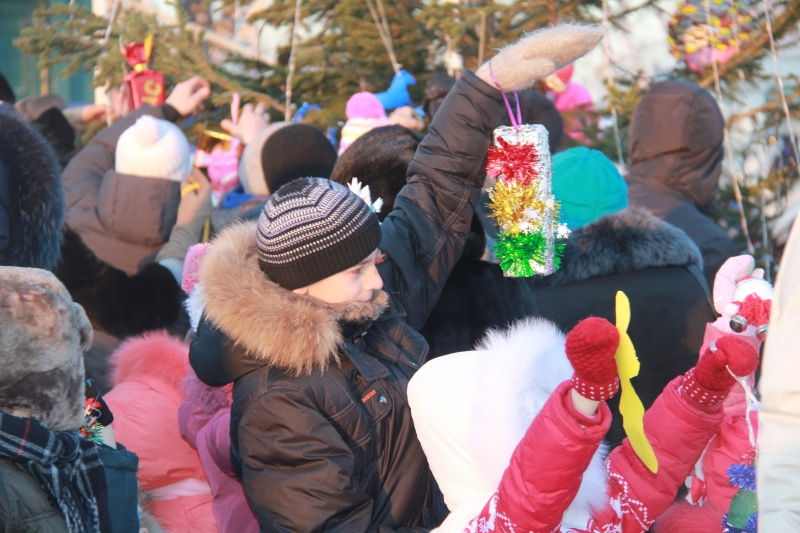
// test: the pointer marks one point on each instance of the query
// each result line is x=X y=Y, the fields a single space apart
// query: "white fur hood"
x=471 y=409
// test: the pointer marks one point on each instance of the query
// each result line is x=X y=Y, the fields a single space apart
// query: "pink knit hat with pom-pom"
x=364 y=105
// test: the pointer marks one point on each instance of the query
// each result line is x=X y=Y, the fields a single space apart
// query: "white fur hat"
x=153 y=148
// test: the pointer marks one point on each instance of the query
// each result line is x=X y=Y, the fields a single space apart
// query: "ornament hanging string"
x=752 y=405
x=737 y=193
x=382 y=25
x=779 y=81
x=515 y=122
x=610 y=83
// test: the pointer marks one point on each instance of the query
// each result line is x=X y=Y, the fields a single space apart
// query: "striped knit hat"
x=313 y=228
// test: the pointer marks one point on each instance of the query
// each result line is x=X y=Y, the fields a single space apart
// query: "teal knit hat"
x=587 y=185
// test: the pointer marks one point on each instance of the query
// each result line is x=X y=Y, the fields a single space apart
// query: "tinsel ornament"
x=700 y=36
x=743 y=514
x=521 y=201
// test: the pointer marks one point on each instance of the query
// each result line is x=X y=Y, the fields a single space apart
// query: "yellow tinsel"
x=508 y=204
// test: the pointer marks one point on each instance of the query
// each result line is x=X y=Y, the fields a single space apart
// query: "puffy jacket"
x=675 y=164
x=147 y=376
x=24 y=506
x=334 y=448
x=205 y=422
x=123 y=219
x=498 y=427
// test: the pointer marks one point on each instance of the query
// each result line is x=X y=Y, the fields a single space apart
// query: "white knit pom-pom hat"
x=153 y=148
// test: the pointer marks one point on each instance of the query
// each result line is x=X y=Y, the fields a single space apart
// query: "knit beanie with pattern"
x=587 y=185
x=153 y=148
x=311 y=229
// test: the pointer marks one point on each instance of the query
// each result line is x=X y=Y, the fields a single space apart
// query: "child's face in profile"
x=356 y=284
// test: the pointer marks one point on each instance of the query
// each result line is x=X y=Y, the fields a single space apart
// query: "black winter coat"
x=321 y=428
x=655 y=264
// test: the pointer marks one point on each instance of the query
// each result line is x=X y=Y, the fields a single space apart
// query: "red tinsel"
x=755 y=310
x=515 y=162
x=134 y=54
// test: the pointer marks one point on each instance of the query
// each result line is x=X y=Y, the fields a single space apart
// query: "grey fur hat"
x=43 y=336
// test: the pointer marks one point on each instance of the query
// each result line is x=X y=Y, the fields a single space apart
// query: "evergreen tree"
x=340 y=50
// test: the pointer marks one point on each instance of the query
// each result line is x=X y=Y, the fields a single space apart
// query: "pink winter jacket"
x=147 y=373
x=558 y=446
x=205 y=420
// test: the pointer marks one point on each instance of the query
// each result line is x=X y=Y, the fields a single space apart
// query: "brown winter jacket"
x=123 y=219
x=675 y=164
x=320 y=426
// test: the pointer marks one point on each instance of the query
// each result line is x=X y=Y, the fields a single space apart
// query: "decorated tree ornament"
x=218 y=153
x=142 y=84
x=701 y=36
x=742 y=517
x=522 y=202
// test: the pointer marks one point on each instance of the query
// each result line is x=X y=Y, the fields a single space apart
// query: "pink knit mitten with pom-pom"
x=590 y=347
x=709 y=382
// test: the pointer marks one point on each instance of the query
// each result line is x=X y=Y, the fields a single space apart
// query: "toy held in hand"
x=743 y=297
x=522 y=201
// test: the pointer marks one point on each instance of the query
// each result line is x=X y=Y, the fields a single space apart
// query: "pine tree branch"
x=771 y=106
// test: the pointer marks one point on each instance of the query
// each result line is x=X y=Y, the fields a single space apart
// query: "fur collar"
x=624 y=242
x=272 y=324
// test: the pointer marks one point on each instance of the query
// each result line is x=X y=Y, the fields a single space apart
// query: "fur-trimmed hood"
x=621 y=243
x=471 y=409
x=270 y=323
x=31 y=196
x=156 y=355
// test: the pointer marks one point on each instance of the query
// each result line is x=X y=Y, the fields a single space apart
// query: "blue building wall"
x=21 y=70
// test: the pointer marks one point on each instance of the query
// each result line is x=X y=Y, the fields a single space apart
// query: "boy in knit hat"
x=312 y=311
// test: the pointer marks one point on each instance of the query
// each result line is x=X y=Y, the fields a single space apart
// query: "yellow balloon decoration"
x=630 y=405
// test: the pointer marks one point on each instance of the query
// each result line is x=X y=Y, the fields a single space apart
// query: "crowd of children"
x=300 y=355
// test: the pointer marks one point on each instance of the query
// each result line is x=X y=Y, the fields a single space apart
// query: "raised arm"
x=424 y=235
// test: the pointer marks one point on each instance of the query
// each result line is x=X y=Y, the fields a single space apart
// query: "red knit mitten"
x=709 y=382
x=591 y=346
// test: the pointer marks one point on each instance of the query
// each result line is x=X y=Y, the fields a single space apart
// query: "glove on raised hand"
x=539 y=54
x=590 y=347
x=710 y=381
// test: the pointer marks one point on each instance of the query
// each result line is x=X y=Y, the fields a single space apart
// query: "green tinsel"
x=515 y=253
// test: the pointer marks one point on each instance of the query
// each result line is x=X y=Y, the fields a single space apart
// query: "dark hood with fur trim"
x=31 y=196
x=624 y=242
x=273 y=325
